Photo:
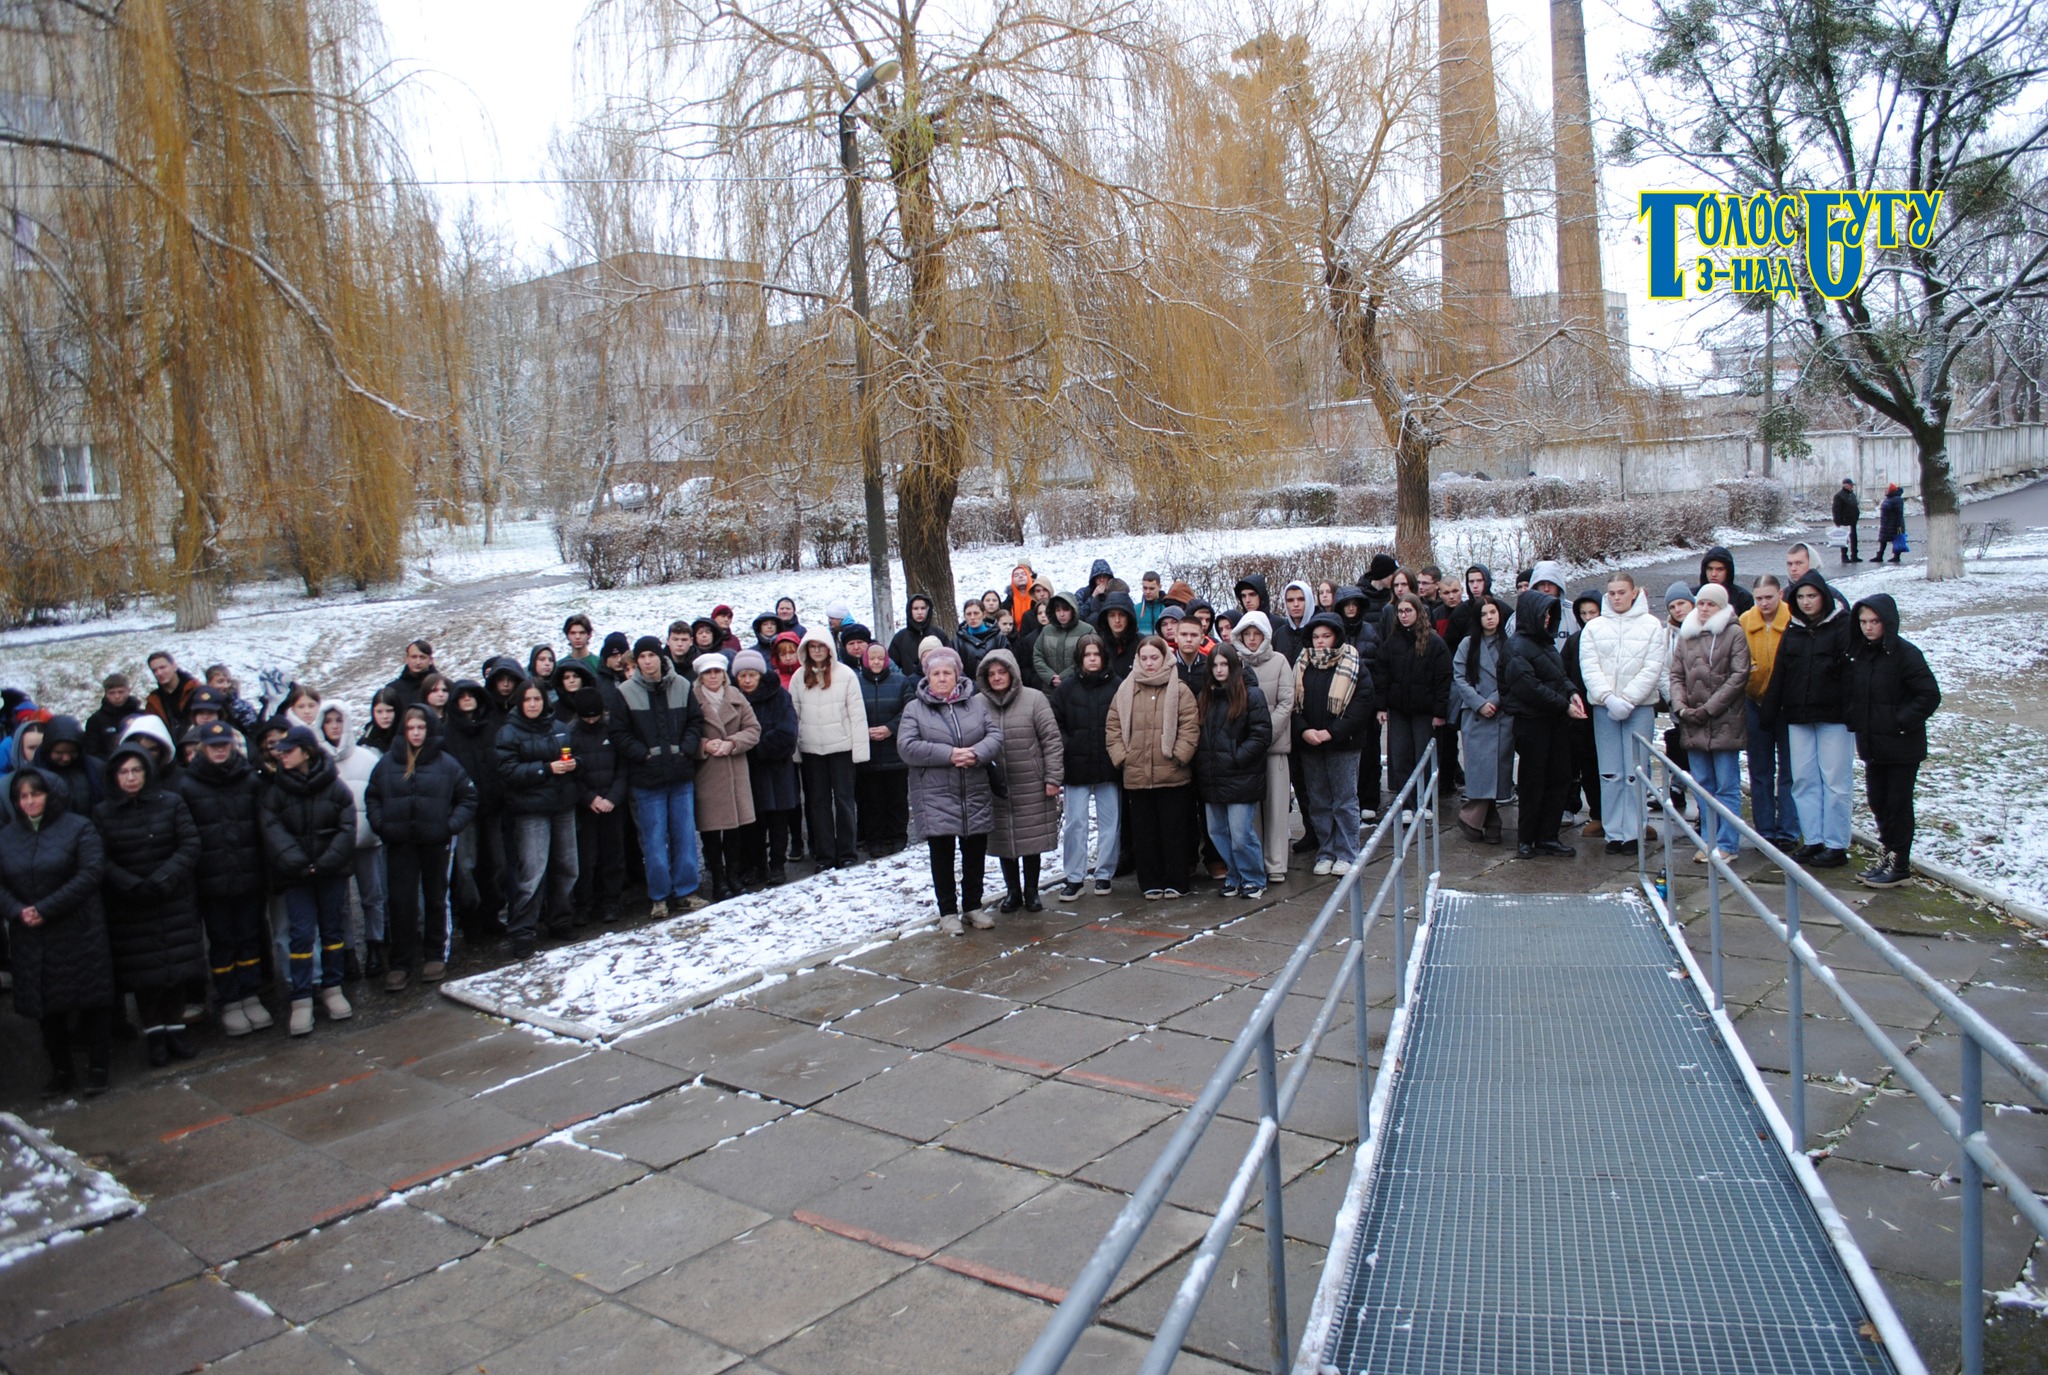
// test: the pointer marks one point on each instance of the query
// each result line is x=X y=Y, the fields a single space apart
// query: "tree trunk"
x=1938 y=496
x=1413 y=541
x=924 y=517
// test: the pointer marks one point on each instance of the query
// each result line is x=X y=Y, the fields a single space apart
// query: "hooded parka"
x=1891 y=691
x=944 y=800
x=1027 y=822
x=1810 y=676
x=54 y=865
x=152 y=849
x=1710 y=681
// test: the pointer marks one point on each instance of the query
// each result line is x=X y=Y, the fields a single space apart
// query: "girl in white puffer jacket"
x=1623 y=655
x=832 y=737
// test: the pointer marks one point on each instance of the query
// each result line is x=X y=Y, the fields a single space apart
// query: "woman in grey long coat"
x=1034 y=761
x=1486 y=734
x=947 y=736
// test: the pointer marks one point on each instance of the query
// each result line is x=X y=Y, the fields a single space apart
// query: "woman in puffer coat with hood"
x=948 y=738
x=1891 y=695
x=1081 y=706
x=1052 y=650
x=1117 y=625
x=771 y=772
x=1266 y=666
x=51 y=865
x=832 y=737
x=882 y=785
x=418 y=801
x=1027 y=817
x=536 y=765
x=1808 y=695
x=1709 y=682
x=353 y=764
x=1230 y=769
x=152 y=849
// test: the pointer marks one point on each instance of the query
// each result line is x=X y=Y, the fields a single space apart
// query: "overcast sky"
x=497 y=78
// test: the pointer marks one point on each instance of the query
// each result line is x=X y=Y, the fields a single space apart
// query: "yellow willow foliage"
x=268 y=359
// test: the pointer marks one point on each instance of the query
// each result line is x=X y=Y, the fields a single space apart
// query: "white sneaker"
x=1366 y=814
x=1340 y=868
x=1322 y=868
x=258 y=1015
x=234 y=1021
x=302 y=1017
x=336 y=1004
x=949 y=923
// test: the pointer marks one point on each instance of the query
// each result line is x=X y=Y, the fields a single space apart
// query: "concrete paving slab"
x=1056 y=1127
x=193 y=1159
x=789 y=1162
x=757 y=1289
x=1746 y=982
x=2019 y=1012
x=1138 y=993
x=1025 y=976
x=1039 y=1246
x=704 y=1041
x=435 y=1026
x=612 y=1339
x=1912 y=1225
x=1829 y=1108
x=806 y=1065
x=297 y=1352
x=926 y=1095
x=1105 y=1349
x=1041 y=1040
x=1326 y=1107
x=1832 y=1046
x=86 y=1273
x=620 y=1239
x=1381 y=973
x=417 y=1149
x=1232 y=1323
x=926 y=1320
x=248 y=1211
x=1206 y=1177
x=823 y=995
x=1121 y=942
x=498 y=1199
x=351 y=1260
x=492 y=1060
x=1951 y=959
x=1310 y=1202
x=921 y=1200
x=577 y=1090
x=281 y=1071
x=370 y=1101
x=1939 y=1057
x=926 y=1018
x=1224 y=957
x=677 y=1125
x=1167 y=1065
x=121 y=1125
x=933 y=958
x=454 y=1318
x=1888 y=998
x=175 y=1329
x=1224 y=1017
x=1900 y=1132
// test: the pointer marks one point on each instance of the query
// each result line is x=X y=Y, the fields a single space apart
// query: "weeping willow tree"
x=1026 y=320
x=261 y=353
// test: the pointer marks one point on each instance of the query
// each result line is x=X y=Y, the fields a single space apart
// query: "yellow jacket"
x=1763 y=646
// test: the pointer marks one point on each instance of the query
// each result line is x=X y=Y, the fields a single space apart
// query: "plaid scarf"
x=1344 y=659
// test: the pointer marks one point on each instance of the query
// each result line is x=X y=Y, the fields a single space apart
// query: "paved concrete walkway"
x=894 y=1164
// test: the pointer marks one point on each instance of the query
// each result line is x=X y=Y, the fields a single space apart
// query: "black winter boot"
x=374 y=965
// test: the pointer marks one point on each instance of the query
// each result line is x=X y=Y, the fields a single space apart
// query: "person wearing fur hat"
x=1709 y=697
x=725 y=794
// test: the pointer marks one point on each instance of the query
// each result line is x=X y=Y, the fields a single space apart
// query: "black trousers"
x=882 y=799
x=1369 y=763
x=1891 y=804
x=1294 y=776
x=1585 y=765
x=1452 y=768
x=828 y=794
x=973 y=851
x=1024 y=884
x=1849 y=555
x=600 y=861
x=764 y=845
x=95 y=1029
x=721 y=851
x=1544 y=753
x=1161 y=824
x=417 y=879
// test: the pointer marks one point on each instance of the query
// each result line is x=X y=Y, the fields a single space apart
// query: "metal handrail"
x=1423 y=830
x=1964 y=1127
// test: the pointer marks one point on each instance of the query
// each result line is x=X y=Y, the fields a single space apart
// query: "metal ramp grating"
x=1574 y=1177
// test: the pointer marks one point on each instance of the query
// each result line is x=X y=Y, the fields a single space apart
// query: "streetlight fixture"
x=866 y=425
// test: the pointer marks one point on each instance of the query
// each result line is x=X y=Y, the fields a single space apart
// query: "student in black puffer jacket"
x=1081 y=706
x=1540 y=701
x=537 y=764
x=481 y=873
x=223 y=790
x=771 y=772
x=601 y=815
x=881 y=784
x=51 y=864
x=1892 y=693
x=152 y=847
x=1808 y=697
x=309 y=832
x=1412 y=683
x=1230 y=769
x=419 y=800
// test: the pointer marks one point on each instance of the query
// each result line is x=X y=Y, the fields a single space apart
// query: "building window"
x=73 y=472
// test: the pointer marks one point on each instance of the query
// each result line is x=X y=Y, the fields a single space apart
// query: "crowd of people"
x=191 y=835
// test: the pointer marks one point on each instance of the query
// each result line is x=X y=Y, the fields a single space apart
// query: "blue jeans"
x=544 y=870
x=1234 y=831
x=1720 y=772
x=1332 y=778
x=1621 y=800
x=1074 y=830
x=1823 y=778
x=1770 y=779
x=667 y=818
x=317 y=911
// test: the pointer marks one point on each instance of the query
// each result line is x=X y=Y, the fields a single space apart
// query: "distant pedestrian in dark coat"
x=1891 y=524
x=1847 y=511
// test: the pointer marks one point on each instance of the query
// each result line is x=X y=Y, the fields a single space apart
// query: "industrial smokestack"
x=1581 y=297
x=1476 y=303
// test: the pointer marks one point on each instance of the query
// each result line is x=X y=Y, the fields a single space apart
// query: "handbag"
x=1899 y=543
x=998 y=779
x=1838 y=537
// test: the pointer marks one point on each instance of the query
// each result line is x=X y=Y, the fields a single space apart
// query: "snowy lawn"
x=46 y=1191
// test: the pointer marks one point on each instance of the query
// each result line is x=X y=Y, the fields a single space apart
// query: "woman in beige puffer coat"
x=1033 y=760
x=1709 y=682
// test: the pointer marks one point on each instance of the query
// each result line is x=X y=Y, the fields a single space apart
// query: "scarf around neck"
x=1168 y=677
x=1343 y=682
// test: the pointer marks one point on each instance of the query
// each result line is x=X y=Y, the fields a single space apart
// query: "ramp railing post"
x=1973 y=1209
x=1276 y=1229
x=1401 y=925
x=1796 y=1032
x=1361 y=1033
x=1713 y=909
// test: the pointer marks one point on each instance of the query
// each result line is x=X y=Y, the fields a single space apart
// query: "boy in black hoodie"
x=472 y=734
x=600 y=812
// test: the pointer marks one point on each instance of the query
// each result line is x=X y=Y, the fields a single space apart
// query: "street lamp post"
x=866 y=426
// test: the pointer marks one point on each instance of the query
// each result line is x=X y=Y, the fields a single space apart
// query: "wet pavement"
x=895 y=1163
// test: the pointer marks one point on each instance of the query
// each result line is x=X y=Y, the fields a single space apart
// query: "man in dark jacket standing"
x=1847 y=512
x=116 y=709
x=222 y=790
x=600 y=811
x=1892 y=693
x=663 y=727
x=419 y=662
x=308 y=817
x=171 y=702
